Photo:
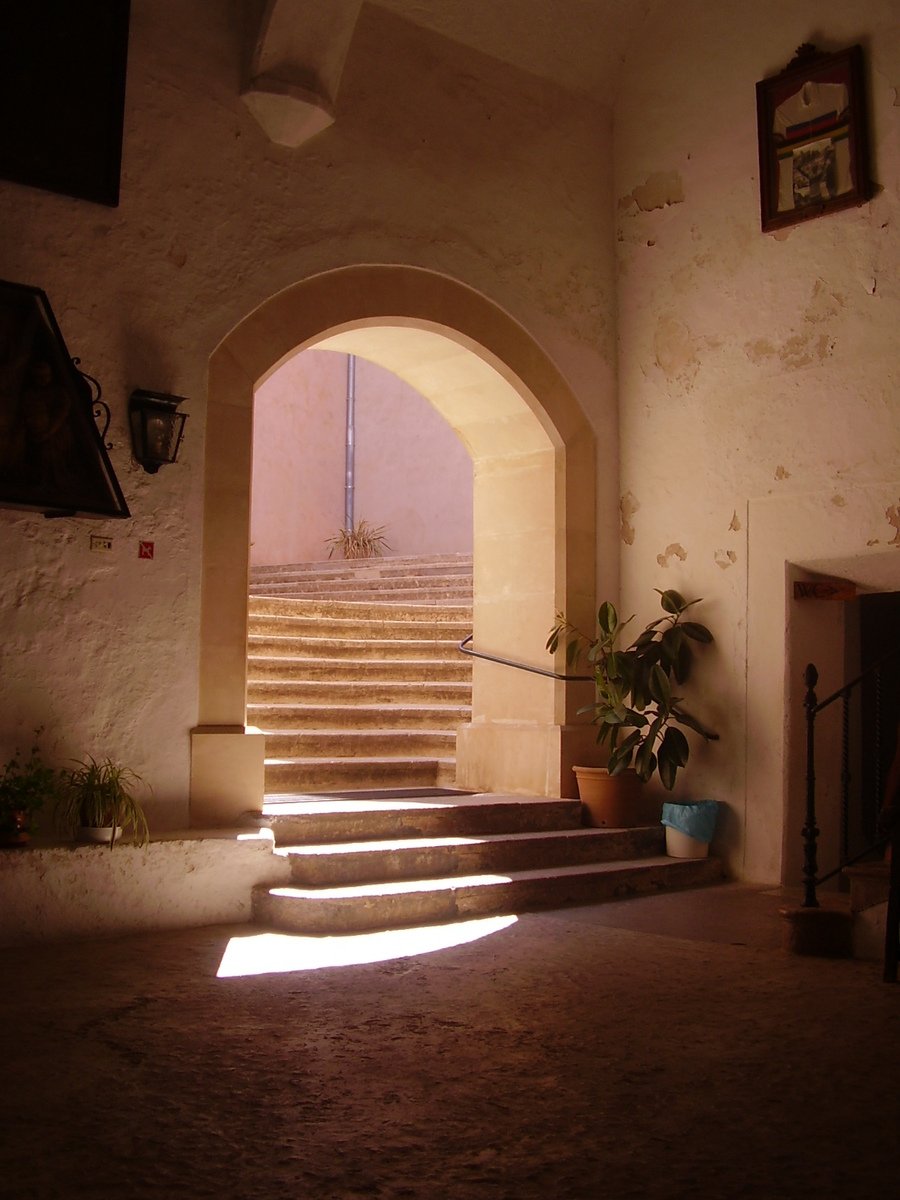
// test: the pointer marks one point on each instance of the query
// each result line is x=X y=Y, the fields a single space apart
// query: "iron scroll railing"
x=466 y=648
x=888 y=836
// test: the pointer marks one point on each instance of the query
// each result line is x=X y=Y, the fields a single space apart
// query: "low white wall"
x=53 y=892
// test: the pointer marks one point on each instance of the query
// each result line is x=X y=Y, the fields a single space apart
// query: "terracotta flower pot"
x=614 y=801
x=17 y=830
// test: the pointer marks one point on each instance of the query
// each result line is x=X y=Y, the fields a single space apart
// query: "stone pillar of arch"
x=534 y=517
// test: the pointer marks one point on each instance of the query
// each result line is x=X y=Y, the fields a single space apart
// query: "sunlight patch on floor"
x=276 y=953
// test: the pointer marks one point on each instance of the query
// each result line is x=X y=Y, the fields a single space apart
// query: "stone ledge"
x=62 y=890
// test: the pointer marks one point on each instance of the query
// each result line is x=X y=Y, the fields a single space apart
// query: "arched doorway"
x=534 y=536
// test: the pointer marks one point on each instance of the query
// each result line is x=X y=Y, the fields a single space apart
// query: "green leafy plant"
x=637 y=708
x=362 y=540
x=26 y=784
x=101 y=795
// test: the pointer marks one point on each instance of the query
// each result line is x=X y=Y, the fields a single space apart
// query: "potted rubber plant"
x=98 y=803
x=638 y=707
x=26 y=785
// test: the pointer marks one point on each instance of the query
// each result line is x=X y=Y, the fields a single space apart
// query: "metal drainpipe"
x=349 y=445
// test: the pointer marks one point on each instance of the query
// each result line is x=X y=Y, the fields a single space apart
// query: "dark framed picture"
x=813 y=137
x=52 y=456
x=62 y=95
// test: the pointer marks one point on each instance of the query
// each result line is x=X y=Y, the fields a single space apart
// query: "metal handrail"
x=465 y=648
x=810 y=831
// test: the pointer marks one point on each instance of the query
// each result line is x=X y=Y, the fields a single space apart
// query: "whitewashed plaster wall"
x=412 y=474
x=759 y=392
x=439 y=157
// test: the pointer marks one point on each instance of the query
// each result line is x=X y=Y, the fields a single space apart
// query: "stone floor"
x=664 y=1047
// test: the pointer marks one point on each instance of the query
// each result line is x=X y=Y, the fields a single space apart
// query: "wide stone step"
x=354 y=610
x=326 y=690
x=304 y=819
x=313 y=774
x=331 y=865
x=363 y=672
x=357 y=716
x=402 y=563
x=423 y=649
x=444 y=629
x=343 y=571
x=361 y=743
x=423 y=902
x=432 y=594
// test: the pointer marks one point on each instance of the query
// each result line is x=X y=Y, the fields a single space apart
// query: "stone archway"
x=534 y=535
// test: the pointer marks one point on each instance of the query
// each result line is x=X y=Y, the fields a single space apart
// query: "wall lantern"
x=156 y=428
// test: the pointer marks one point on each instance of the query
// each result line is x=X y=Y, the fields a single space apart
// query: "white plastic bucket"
x=679 y=845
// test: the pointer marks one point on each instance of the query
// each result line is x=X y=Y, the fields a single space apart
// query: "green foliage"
x=637 y=709
x=362 y=541
x=100 y=794
x=26 y=784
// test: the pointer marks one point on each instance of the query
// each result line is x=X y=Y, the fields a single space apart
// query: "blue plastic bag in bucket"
x=689 y=827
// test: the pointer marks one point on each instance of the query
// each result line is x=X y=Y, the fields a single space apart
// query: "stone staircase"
x=356 y=685
x=431 y=579
x=355 y=677
x=368 y=863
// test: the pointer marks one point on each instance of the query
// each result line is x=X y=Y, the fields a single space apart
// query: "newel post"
x=810 y=831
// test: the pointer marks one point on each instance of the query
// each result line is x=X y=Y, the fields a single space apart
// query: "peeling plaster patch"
x=874 y=542
x=799 y=350
x=725 y=559
x=661 y=189
x=674 y=349
x=628 y=506
x=838 y=501
x=782 y=473
x=893 y=516
x=823 y=304
x=735 y=522
x=673 y=550
x=760 y=350
x=781 y=235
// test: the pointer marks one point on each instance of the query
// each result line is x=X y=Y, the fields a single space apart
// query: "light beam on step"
x=277 y=953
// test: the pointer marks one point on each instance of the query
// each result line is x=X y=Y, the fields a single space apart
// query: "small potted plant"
x=98 y=803
x=636 y=708
x=26 y=784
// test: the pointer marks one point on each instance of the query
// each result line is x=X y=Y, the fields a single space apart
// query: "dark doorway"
x=879 y=630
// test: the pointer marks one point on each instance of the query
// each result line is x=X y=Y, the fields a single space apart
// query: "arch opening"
x=534 y=538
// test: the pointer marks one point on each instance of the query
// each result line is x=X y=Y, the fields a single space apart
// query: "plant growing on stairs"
x=362 y=540
x=637 y=708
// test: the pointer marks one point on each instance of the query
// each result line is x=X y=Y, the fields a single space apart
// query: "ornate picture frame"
x=52 y=455
x=813 y=137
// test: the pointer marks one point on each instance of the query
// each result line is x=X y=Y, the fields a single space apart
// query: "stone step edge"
x=353 y=610
x=453 y=557
x=407 y=734
x=412 y=887
x=583 y=833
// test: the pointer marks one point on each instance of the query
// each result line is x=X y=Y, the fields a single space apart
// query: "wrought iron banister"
x=466 y=648
x=810 y=833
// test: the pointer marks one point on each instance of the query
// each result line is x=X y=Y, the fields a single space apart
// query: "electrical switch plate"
x=100 y=545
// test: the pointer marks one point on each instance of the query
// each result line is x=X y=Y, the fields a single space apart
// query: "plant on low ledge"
x=362 y=540
x=100 y=795
x=26 y=784
x=636 y=707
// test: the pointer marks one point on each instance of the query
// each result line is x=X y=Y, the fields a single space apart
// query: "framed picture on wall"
x=813 y=137
x=62 y=95
x=52 y=456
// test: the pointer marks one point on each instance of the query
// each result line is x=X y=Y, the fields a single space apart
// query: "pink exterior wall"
x=413 y=475
x=298 y=459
